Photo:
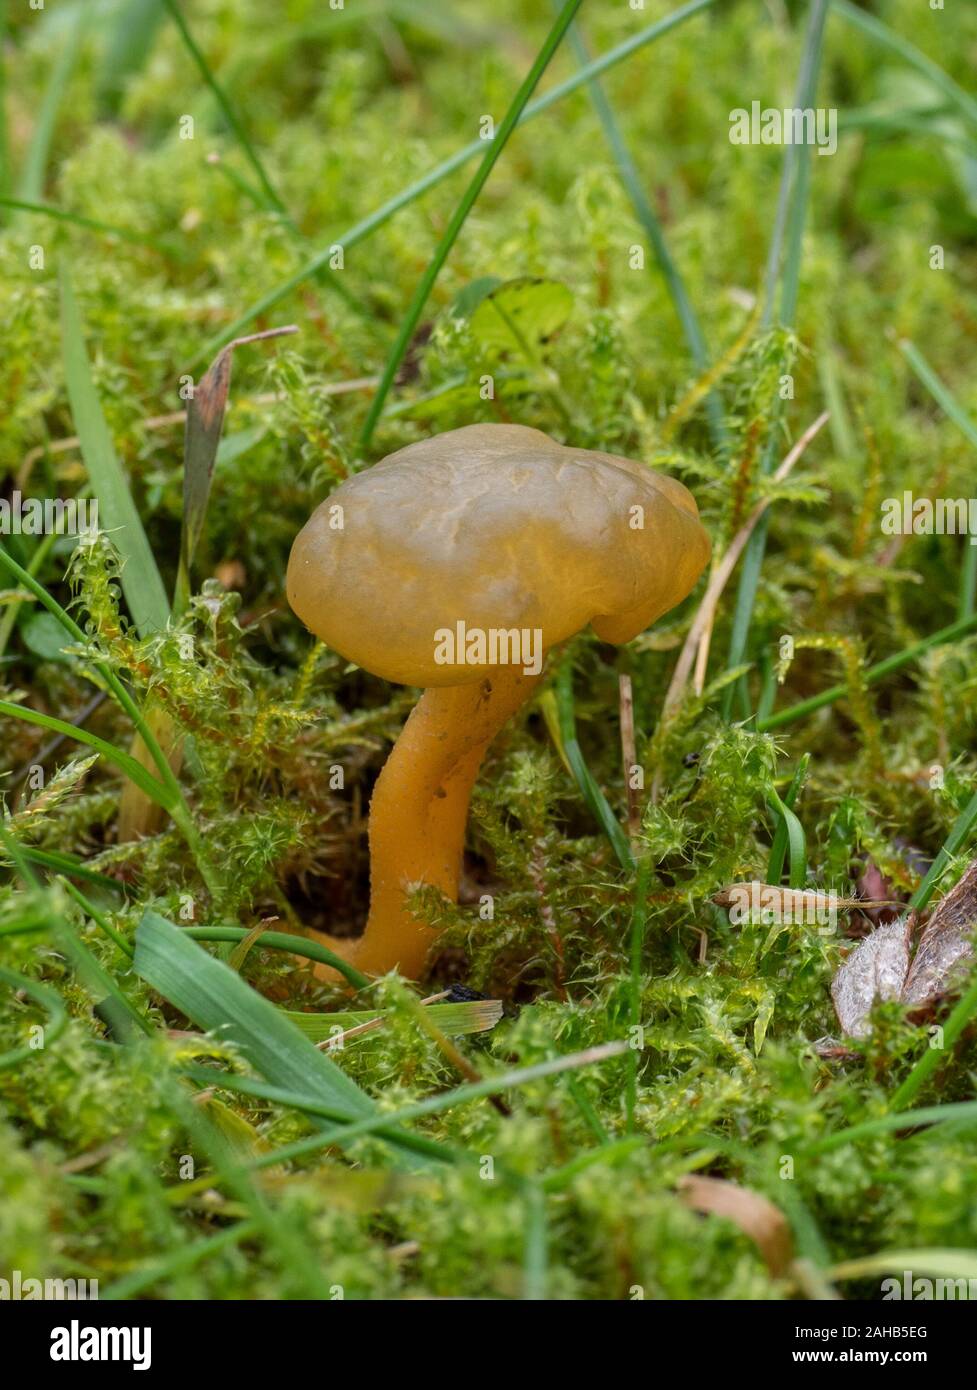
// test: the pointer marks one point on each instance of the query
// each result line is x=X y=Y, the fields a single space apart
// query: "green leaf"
x=411 y=319
x=521 y=316
x=202 y=448
x=45 y=637
x=476 y=1016
x=352 y=236
x=164 y=796
x=128 y=45
x=216 y=999
x=31 y=183
x=940 y=1264
x=467 y=300
x=141 y=582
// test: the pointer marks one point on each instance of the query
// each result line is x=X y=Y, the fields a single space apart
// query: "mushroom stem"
x=419 y=811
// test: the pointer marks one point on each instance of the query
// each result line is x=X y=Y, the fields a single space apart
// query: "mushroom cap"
x=499 y=528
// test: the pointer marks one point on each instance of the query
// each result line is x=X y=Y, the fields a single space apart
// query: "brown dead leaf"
x=879 y=968
x=945 y=946
x=755 y=1215
x=876 y=969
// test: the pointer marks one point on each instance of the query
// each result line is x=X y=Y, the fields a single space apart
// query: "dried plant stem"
x=629 y=753
x=704 y=618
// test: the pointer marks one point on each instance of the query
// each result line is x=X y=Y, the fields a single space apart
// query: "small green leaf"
x=521 y=316
x=475 y=1016
x=141 y=582
x=45 y=637
x=468 y=299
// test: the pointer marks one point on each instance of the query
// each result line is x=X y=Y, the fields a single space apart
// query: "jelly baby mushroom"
x=455 y=565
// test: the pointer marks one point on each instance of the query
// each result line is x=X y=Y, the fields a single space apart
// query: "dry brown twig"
x=700 y=632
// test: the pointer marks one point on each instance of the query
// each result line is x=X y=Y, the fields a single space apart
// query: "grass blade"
x=630 y=177
x=475 y=1016
x=782 y=839
x=6 y=173
x=963 y=1112
x=876 y=29
x=205 y=420
x=141 y=582
x=48 y=999
x=227 y=110
x=949 y=1263
x=950 y=407
x=89 y=223
x=178 y=1262
x=508 y=125
x=788 y=224
x=796 y=840
x=283 y=941
x=133 y=770
x=874 y=673
x=361 y=230
x=447 y=1100
x=31 y=185
x=592 y=794
x=216 y=999
x=130 y=42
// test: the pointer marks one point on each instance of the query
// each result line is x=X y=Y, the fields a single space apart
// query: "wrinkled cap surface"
x=499 y=528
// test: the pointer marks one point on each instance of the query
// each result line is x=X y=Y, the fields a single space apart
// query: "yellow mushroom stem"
x=419 y=811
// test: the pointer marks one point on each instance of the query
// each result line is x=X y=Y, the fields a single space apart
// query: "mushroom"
x=455 y=565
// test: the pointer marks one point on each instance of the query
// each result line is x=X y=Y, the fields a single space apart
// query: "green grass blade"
x=282 y=941
x=508 y=125
x=127 y=49
x=216 y=999
x=71 y=867
x=31 y=185
x=950 y=1264
x=591 y=792
x=475 y=1016
x=874 y=674
x=796 y=840
x=788 y=225
x=447 y=1100
x=133 y=770
x=781 y=839
x=361 y=230
x=535 y=1260
x=294 y=1249
x=630 y=177
x=49 y=1000
x=240 y=134
x=962 y=1112
x=881 y=33
x=124 y=1018
x=89 y=223
x=6 y=172
x=178 y=1262
x=115 y=686
x=948 y=403
x=141 y=582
